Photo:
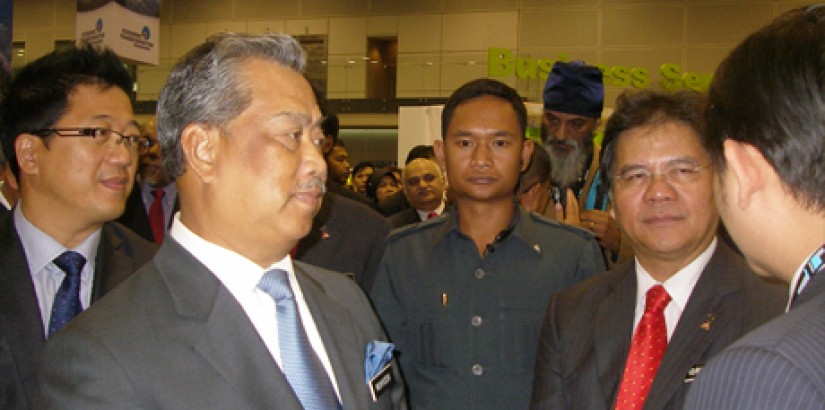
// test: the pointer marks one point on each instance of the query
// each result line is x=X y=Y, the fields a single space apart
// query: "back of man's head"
x=770 y=93
x=39 y=94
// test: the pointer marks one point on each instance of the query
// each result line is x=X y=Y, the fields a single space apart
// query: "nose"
x=118 y=153
x=659 y=189
x=312 y=159
x=481 y=156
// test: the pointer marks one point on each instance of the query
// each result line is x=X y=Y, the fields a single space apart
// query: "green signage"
x=501 y=62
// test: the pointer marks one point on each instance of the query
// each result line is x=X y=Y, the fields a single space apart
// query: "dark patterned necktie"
x=156 y=220
x=67 y=299
x=300 y=364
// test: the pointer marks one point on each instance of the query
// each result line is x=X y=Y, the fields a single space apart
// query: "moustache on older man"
x=315 y=183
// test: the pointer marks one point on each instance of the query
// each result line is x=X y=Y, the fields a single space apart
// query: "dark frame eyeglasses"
x=100 y=136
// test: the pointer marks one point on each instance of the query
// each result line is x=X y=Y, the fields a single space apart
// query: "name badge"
x=693 y=372
x=381 y=382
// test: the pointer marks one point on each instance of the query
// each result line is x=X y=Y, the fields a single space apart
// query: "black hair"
x=636 y=109
x=420 y=151
x=479 y=88
x=770 y=93
x=39 y=95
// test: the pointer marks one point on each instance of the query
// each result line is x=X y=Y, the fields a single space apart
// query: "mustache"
x=313 y=184
x=560 y=142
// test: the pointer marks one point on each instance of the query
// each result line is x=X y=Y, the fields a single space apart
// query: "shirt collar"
x=41 y=249
x=523 y=231
x=423 y=214
x=681 y=284
x=239 y=274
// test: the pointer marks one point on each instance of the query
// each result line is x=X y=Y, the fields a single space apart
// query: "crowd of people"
x=226 y=254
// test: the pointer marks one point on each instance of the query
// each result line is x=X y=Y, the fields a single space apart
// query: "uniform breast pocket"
x=430 y=336
x=520 y=327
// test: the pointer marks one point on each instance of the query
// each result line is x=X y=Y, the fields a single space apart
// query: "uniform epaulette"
x=416 y=227
x=552 y=222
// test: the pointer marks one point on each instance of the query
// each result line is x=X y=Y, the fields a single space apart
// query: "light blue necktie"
x=67 y=299
x=300 y=364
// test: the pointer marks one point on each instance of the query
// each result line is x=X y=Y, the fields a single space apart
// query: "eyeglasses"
x=100 y=136
x=639 y=177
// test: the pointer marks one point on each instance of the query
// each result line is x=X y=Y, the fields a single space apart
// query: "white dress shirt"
x=41 y=250
x=679 y=287
x=423 y=214
x=241 y=276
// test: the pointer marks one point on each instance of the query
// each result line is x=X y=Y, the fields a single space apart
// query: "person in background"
x=72 y=143
x=360 y=174
x=462 y=296
x=337 y=160
x=424 y=189
x=534 y=182
x=635 y=337
x=153 y=199
x=767 y=139
x=397 y=202
x=382 y=184
x=223 y=317
x=338 y=164
x=573 y=102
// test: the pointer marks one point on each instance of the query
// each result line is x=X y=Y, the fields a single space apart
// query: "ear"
x=526 y=154
x=748 y=169
x=200 y=144
x=438 y=147
x=25 y=148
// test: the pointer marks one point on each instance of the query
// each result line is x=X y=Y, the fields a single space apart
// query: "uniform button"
x=480 y=273
x=478 y=369
x=476 y=321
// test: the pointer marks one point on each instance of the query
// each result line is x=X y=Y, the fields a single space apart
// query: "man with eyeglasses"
x=636 y=336
x=424 y=189
x=72 y=143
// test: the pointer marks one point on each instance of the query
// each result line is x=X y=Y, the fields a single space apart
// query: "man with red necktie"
x=636 y=336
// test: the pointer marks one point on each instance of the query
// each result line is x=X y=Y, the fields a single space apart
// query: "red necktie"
x=156 y=220
x=432 y=215
x=646 y=351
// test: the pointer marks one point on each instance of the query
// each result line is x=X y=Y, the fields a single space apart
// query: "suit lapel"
x=228 y=340
x=21 y=327
x=691 y=338
x=340 y=341
x=112 y=264
x=614 y=328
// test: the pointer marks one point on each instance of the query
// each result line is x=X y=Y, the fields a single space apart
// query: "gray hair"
x=204 y=86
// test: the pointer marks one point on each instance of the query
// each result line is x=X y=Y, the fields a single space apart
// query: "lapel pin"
x=708 y=321
x=537 y=248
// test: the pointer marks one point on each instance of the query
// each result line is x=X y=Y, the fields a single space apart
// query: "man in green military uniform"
x=463 y=295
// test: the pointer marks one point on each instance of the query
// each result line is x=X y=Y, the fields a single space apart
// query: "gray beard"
x=566 y=170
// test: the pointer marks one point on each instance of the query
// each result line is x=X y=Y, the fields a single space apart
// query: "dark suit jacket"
x=347 y=237
x=587 y=331
x=173 y=337
x=135 y=217
x=120 y=253
x=343 y=191
x=406 y=217
x=777 y=366
x=393 y=204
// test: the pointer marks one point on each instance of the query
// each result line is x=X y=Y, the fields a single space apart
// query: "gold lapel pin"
x=708 y=321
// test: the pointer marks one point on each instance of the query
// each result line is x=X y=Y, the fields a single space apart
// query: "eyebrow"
x=109 y=118
x=669 y=162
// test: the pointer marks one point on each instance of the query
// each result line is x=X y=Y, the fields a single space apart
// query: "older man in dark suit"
x=635 y=337
x=72 y=144
x=768 y=142
x=223 y=317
